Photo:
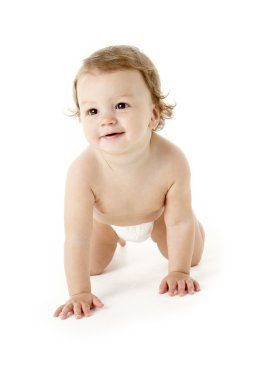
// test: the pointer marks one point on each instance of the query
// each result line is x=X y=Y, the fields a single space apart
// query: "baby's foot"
x=122 y=242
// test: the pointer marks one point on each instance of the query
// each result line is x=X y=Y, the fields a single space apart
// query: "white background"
x=203 y=51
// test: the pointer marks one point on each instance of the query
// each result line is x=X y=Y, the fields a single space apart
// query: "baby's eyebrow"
x=87 y=101
x=114 y=97
x=124 y=96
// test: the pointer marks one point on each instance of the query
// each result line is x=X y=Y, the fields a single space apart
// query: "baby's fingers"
x=66 y=309
x=190 y=286
x=172 y=288
x=181 y=287
x=86 y=309
x=77 y=310
x=163 y=286
x=58 y=311
x=196 y=285
x=97 y=302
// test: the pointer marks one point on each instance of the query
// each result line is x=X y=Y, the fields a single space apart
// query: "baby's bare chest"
x=130 y=200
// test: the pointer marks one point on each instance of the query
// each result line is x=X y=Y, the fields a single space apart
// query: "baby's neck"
x=127 y=162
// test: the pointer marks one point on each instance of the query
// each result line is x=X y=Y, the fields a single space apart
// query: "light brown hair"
x=123 y=57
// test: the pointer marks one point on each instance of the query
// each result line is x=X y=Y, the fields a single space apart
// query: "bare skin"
x=133 y=178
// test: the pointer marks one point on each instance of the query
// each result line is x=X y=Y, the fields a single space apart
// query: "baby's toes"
x=122 y=242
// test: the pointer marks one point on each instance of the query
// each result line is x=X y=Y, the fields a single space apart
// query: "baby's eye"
x=92 y=111
x=121 y=106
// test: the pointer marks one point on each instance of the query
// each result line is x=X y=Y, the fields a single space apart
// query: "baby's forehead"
x=127 y=76
x=112 y=83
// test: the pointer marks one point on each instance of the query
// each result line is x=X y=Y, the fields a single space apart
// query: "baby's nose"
x=108 y=119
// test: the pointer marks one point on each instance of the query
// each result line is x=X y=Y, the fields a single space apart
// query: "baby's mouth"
x=114 y=134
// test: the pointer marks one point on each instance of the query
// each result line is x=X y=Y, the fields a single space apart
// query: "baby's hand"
x=79 y=304
x=178 y=283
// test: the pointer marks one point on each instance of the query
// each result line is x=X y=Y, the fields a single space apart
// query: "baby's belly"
x=126 y=218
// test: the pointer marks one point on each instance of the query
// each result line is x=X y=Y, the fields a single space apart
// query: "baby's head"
x=124 y=57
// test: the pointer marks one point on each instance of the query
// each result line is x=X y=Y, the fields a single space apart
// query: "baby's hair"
x=124 y=57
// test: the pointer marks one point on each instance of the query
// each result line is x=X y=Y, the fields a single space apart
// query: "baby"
x=130 y=183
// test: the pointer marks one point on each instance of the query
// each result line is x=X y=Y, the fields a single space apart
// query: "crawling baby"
x=130 y=183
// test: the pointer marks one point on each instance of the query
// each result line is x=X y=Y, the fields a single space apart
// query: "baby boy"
x=130 y=183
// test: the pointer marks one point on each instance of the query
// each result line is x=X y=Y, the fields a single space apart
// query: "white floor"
x=138 y=333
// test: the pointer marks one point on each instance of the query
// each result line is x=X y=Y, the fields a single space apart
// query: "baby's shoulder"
x=83 y=167
x=172 y=157
x=169 y=151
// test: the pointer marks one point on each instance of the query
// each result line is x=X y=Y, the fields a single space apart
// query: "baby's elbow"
x=180 y=220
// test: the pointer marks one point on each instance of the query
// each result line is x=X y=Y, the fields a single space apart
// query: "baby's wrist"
x=75 y=292
x=179 y=271
x=71 y=295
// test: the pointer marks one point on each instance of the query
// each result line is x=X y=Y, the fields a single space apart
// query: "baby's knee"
x=94 y=272
x=195 y=262
x=197 y=257
x=202 y=232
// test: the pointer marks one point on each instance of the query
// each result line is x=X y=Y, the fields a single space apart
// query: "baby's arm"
x=180 y=226
x=179 y=219
x=78 y=220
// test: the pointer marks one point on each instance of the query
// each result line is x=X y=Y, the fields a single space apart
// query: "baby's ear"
x=156 y=113
x=155 y=118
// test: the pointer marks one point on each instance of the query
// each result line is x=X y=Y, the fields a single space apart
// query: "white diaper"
x=136 y=234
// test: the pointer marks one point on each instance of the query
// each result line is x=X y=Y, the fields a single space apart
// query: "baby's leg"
x=103 y=245
x=159 y=236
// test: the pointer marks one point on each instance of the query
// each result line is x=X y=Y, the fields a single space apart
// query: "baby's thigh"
x=103 y=245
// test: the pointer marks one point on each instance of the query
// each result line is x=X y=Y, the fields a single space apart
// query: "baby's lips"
x=113 y=133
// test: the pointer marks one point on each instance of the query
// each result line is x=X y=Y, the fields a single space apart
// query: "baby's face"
x=116 y=109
